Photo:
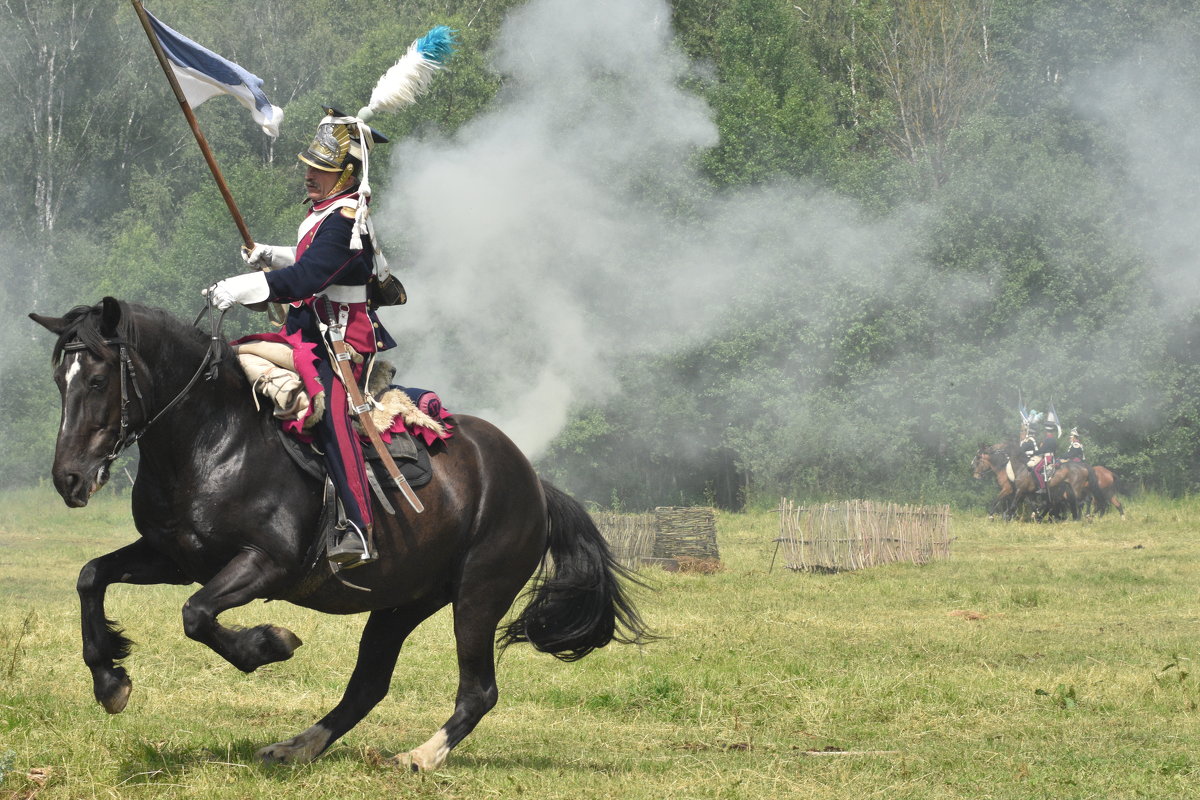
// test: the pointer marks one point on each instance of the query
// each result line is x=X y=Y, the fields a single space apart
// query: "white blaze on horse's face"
x=88 y=431
x=71 y=374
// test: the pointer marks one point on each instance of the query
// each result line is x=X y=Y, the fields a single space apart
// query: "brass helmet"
x=337 y=145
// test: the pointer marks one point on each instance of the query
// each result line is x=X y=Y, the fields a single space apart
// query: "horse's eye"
x=98 y=381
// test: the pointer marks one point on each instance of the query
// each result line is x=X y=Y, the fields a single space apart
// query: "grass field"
x=1039 y=661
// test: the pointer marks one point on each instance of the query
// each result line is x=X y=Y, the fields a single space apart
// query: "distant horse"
x=1102 y=484
x=218 y=501
x=1017 y=488
x=1069 y=485
x=989 y=459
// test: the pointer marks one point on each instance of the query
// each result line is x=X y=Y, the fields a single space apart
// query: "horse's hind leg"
x=103 y=642
x=378 y=650
x=249 y=576
x=488 y=589
x=1117 y=504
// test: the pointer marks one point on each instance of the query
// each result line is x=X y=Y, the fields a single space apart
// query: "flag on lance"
x=202 y=74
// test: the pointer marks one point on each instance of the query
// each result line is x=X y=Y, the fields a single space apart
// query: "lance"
x=274 y=310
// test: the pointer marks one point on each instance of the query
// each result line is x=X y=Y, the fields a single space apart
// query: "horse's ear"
x=110 y=317
x=55 y=325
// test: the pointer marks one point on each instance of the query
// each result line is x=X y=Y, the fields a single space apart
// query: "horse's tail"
x=581 y=602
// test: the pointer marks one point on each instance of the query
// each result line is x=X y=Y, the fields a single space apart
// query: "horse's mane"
x=1009 y=448
x=85 y=323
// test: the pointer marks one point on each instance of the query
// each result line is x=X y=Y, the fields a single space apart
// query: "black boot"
x=351 y=550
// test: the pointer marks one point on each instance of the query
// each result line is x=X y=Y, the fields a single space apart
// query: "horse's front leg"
x=378 y=650
x=103 y=642
x=1073 y=502
x=250 y=575
x=1014 y=502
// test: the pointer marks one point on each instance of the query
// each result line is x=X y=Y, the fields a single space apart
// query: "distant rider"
x=1044 y=455
x=1075 y=449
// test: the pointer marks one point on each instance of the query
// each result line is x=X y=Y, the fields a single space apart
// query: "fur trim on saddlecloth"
x=395 y=409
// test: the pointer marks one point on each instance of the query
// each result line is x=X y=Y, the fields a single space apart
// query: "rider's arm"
x=327 y=260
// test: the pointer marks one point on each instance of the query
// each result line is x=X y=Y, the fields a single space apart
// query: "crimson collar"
x=328 y=201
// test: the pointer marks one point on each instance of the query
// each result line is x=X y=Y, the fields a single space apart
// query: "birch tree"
x=933 y=57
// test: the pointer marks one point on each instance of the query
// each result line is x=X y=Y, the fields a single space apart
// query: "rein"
x=210 y=362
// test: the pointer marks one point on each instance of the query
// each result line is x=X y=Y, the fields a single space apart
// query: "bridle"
x=994 y=464
x=208 y=367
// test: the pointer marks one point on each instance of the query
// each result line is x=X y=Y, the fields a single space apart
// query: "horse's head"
x=989 y=459
x=95 y=369
x=981 y=465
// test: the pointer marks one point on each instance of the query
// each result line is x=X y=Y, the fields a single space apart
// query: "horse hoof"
x=298 y=750
x=403 y=761
x=426 y=758
x=115 y=699
x=408 y=763
x=276 y=644
x=286 y=638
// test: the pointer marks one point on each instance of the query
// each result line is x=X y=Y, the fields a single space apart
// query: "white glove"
x=245 y=289
x=274 y=257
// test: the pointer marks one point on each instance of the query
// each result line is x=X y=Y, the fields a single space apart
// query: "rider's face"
x=319 y=183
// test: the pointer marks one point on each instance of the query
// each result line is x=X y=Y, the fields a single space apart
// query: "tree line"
x=990 y=147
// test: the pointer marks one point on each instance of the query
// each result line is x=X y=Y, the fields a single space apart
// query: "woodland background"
x=1034 y=162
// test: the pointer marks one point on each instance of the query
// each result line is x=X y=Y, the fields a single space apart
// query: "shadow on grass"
x=156 y=765
x=153 y=764
x=537 y=762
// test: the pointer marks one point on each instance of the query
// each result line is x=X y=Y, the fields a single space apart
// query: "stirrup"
x=352 y=550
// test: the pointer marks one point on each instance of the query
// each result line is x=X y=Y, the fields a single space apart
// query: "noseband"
x=129 y=380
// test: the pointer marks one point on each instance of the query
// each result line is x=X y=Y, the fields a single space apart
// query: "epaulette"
x=347 y=212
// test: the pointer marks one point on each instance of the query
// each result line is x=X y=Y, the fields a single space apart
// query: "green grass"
x=1077 y=679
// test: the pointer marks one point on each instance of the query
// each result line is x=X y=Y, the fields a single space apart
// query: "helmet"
x=337 y=144
x=1075 y=432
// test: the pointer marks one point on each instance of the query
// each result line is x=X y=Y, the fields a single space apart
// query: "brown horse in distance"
x=1069 y=484
x=986 y=461
x=1102 y=484
x=1022 y=486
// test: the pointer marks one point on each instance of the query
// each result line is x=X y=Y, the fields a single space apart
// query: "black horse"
x=218 y=501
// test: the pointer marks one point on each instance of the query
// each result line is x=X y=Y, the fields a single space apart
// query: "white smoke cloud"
x=1150 y=105
x=545 y=242
x=544 y=246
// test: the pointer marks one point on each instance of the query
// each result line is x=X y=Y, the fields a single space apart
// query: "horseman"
x=1043 y=456
x=1075 y=449
x=1028 y=444
x=325 y=279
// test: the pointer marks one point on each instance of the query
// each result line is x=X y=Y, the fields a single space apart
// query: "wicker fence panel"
x=667 y=534
x=861 y=533
x=685 y=532
x=630 y=537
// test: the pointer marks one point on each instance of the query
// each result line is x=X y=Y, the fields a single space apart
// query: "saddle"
x=271 y=368
x=410 y=454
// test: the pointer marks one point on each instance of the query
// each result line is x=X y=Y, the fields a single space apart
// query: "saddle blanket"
x=282 y=367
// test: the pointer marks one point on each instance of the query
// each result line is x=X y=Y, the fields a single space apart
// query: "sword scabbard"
x=362 y=409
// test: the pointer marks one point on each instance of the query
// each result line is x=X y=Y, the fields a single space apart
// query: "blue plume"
x=438 y=44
